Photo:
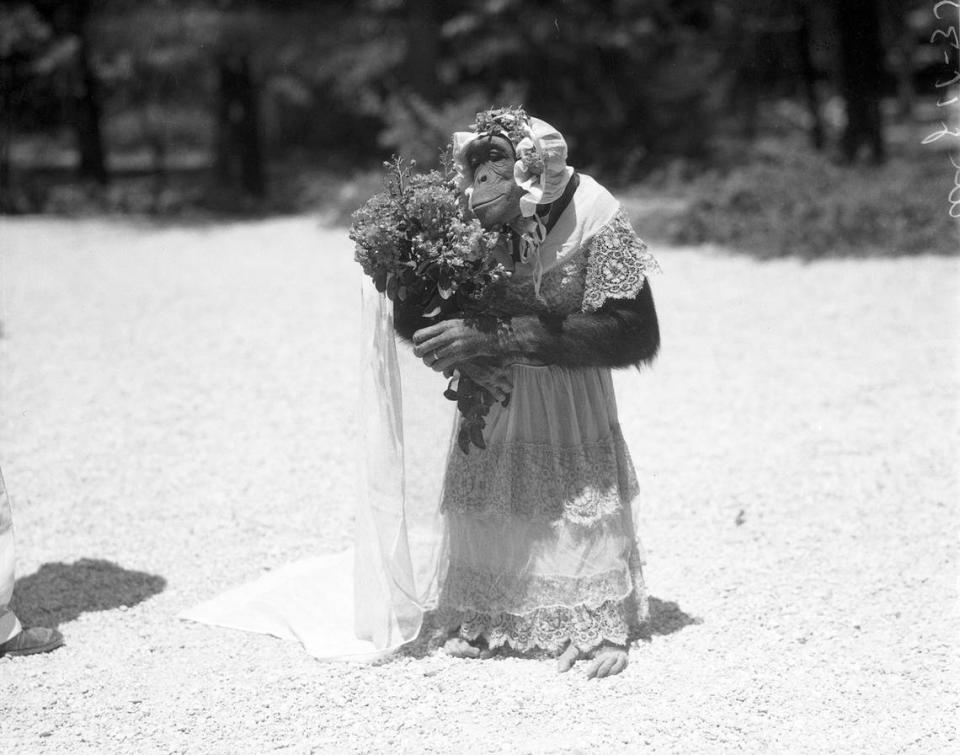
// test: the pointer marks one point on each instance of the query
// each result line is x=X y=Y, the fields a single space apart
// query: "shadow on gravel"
x=59 y=592
x=666 y=617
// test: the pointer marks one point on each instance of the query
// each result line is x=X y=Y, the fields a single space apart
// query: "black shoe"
x=30 y=641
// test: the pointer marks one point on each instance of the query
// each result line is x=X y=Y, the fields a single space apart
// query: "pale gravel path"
x=178 y=403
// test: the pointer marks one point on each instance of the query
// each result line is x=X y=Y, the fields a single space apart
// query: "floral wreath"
x=511 y=122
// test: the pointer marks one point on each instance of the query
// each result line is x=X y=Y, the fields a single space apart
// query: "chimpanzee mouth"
x=484 y=204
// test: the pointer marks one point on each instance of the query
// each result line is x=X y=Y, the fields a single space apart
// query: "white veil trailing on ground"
x=368 y=601
x=405 y=434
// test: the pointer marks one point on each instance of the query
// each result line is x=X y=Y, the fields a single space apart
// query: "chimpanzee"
x=543 y=548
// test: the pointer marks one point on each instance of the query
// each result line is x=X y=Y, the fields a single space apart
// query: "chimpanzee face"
x=496 y=197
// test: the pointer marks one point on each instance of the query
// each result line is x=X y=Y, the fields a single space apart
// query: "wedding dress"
x=531 y=542
x=542 y=547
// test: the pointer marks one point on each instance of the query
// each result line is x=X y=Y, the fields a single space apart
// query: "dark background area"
x=773 y=126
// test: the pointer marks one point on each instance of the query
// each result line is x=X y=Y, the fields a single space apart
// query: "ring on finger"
x=436 y=357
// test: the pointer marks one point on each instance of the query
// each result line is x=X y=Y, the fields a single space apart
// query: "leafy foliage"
x=416 y=244
x=800 y=203
x=644 y=81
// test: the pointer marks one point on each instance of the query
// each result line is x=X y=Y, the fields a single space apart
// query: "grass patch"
x=802 y=204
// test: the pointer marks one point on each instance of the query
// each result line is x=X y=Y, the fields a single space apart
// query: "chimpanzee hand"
x=489 y=373
x=450 y=343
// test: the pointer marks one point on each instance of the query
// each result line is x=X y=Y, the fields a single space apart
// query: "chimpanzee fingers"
x=604 y=667
x=457 y=352
x=619 y=665
x=495 y=382
x=429 y=346
x=607 y=664
x=497 y=394
x=425 y=334
x=430 y=362
x=447 y=340
x=567 y=658
x=441 y=363
x=460 y=648
x=495 y=391
x=504 y=382
x=491 y=372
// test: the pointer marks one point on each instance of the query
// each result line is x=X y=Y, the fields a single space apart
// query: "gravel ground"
x=176 y=418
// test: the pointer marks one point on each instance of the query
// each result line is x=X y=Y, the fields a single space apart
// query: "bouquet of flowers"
x=417 y=244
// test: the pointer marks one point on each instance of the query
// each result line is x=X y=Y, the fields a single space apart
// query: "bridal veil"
x=367 y=601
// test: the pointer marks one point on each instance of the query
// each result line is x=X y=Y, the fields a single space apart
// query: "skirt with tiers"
x=540 y=525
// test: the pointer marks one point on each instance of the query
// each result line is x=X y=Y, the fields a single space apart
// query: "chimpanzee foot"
x=567 y=658
x=608 y=659
x=461 y=648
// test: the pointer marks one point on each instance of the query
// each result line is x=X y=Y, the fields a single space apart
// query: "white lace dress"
x=540 y=526
x=539 y=544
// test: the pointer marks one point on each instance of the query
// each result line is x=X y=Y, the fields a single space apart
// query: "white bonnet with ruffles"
x=541 y=168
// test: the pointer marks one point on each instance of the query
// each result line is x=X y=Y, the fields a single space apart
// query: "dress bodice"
x=561 y=289
x=612 y=264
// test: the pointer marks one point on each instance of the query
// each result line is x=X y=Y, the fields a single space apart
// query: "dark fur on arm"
x=621 y=333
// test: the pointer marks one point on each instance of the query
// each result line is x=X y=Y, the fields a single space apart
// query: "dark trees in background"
x=239 y=159
x=21 y=33
x=85 y=108
x=861 y=76
x=770 y=46
x=630 y=84
x=633 y=84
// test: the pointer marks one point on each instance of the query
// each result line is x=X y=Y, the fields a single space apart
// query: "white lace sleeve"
x=618 y=262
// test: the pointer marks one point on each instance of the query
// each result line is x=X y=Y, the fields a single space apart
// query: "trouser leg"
x=9 y=625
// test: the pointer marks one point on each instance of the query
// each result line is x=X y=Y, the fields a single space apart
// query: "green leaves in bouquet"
x=416 y=241
x=419 y=246
x=473 y=402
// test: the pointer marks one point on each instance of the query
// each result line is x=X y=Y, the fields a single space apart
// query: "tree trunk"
x=809 y=75
x=901 y=36
x=744 y=102
x=861 y=76
x=87 y=118
x=6 y=136
x=239 y=150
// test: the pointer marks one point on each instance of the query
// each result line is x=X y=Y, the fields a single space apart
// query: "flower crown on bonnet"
x=541 y=168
